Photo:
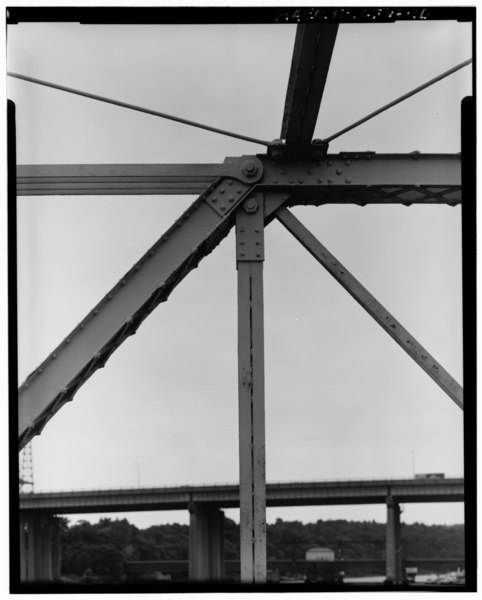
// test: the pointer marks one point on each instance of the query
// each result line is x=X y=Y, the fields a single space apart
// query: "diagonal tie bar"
x=403 y=338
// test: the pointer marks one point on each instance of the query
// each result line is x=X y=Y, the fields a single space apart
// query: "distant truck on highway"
x=429 y=475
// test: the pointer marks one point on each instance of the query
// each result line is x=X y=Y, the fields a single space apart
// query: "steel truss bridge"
x=245 y=193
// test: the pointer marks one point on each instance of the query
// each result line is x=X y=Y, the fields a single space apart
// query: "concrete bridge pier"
x=39 y=547
x=206 y=543
x=393 y=547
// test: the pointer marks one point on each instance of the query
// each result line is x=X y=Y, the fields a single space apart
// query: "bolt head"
x=250 y=168
x=251 y=205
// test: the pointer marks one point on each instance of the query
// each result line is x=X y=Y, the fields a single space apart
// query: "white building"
x=320 y=554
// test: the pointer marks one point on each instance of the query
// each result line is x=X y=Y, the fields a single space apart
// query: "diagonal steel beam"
x=118 y=315
x=309 y=70
x=413 y=348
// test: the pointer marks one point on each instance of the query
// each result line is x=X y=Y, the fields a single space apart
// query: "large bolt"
x=250 y=168
x=251 y=205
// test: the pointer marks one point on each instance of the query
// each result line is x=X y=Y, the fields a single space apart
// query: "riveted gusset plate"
x=250 y=229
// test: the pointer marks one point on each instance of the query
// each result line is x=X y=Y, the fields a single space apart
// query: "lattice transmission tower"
x=26 y=482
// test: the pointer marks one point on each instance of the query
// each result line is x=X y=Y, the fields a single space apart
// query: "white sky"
x=342 y=399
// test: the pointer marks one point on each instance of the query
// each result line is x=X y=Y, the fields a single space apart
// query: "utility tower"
x=26 y=482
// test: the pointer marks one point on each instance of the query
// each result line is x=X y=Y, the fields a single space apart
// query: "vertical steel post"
x=252 y=469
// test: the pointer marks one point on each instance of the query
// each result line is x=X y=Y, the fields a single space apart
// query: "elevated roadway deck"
x=227 y=496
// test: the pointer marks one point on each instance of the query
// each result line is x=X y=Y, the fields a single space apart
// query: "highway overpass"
x=227 y=496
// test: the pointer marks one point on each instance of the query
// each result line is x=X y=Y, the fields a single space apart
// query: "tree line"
x=102 y=548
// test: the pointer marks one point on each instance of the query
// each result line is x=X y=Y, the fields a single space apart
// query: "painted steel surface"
x=312 y=53
x=376 y=310
x=345 y=178
x=252 y=459
x=122 y=310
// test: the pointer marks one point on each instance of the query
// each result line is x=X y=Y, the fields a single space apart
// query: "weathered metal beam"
x=346 y=178
x=381 y=315
x=119 y=179
x=312 y=53
x=252 y=469
x=366 y=177
x=122 y=310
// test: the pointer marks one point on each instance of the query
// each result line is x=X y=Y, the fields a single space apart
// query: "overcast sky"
x=342 y=399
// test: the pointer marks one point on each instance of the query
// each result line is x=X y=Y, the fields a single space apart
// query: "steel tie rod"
x=148 y=111
x=398 y=100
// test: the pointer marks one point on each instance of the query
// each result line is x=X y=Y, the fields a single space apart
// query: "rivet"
x=123 y=282
x=274 y=181
x=242 y=253
x=241 y=243
x=300 y=181
x=347 y=180
x=230 y=182
x=258 y=254
x=223 y=207
x=40 y=371
x=96 y=312
x=137 y=267
x=348 y=162
x=26 y=385
x=256 y=231
x=238 y=191
x=319 y=180
x=309 y=171
x=356 y=157
x=231 y=198
x=67 y=341
x=291 y=181
x=258 y=242
x=222 y=190
x=330 y=180
x=54 y=356
x=214 y=199
x=82 y=325
x=320 y=163
x=151 y=253
x=109 y=297
x=339 y=171
x=241 y=229
x=329 y=163
x=283 y=171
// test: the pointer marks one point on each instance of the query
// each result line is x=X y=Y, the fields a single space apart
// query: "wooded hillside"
x=103 y=547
